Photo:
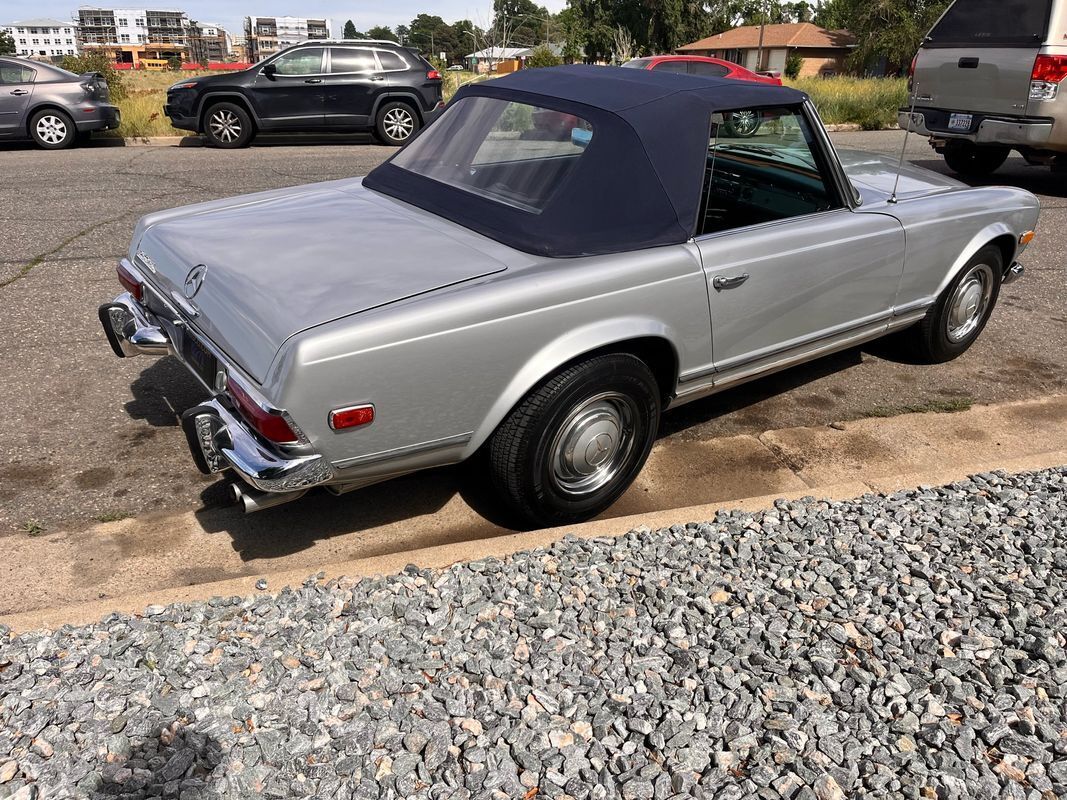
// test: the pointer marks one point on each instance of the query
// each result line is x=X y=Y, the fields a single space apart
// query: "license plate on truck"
x=959 y=122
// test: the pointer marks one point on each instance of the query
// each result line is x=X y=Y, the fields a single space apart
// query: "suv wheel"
x=397 y=122
x=575 y=444
x=227 y=125
x=971 y=161
x=52 y=130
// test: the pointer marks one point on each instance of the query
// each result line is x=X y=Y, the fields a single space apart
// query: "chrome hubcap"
x=744 y=122
x=969 y=302
x=398 y=123
x=593 y=443
x=225 y=126
x=51 y=130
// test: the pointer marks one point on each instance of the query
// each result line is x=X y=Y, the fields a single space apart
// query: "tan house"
x=823 y=51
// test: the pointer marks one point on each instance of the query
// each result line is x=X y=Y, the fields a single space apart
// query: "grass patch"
x=112 y=516
x=871 y=103
x=950 y=406
x=32 y=527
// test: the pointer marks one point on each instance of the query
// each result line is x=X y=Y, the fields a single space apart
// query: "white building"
x=265 y=36
x=43 y=38
x=130 y=34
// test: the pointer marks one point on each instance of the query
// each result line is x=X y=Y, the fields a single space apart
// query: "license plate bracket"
x=960 y=122
x=200 y=360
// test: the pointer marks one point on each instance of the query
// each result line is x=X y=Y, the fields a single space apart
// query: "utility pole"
x=759 y=48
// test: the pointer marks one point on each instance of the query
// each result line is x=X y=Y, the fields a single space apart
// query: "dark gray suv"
x=316 y=86
x=51 y=106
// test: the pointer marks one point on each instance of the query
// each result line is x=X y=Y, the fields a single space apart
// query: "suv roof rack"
x=349 y=41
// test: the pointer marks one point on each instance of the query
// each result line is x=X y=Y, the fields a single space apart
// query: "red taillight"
x=130 y=283
x=1050 y=69
x=433 y=75
x=351 y=417
x=911 y=69
x=271 y=426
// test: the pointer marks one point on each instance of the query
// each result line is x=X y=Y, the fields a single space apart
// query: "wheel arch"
x=999 y=234
x=411 y=98
x=212 y=98
x=647 y=339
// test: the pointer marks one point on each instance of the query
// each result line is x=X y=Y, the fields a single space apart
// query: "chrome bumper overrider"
x=218 y=437
x=1013 y=273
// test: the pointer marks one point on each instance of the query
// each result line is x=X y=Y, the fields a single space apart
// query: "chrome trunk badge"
x=194 y=280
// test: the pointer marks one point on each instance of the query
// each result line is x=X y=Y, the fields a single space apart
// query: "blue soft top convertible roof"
x=637 y=185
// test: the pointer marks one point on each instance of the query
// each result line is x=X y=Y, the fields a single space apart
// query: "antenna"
x=907 y=132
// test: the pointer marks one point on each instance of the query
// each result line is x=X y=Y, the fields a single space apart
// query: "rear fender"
x=566 y=348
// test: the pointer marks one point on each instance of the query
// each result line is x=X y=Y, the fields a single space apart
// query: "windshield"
x=509 y=152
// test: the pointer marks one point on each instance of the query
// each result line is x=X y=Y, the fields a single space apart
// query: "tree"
x=624 y=45
x=174 y=63
x=382 y=32
x=521 y=22
x=794 y=62
x=7 y=44
x=350 y=31
x=403 y=33
x=542 y=56
x=884 y=29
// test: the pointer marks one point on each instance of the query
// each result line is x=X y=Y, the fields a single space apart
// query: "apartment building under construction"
x=132 y=35
x=265 y=36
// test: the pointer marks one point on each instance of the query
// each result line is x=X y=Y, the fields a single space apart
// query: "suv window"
x=708 y=69
x=352 y=59
x=992 y=22
x=763 y=165
x=390 y=61
x=16 y=73
x=509 y=152
x=307 y=61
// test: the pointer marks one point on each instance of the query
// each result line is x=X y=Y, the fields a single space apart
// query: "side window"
x=300 y=62
x=671 y=66
x=15 y=73
x=391 y=62
x=708 y=69
x=763 y=165
x=351 y=59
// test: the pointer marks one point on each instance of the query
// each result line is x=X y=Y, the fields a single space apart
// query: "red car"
x=744 y=123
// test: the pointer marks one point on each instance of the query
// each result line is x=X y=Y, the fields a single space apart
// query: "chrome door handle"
x=377 y=77
x=20 y=91
x=720 y=282
x=313 y=80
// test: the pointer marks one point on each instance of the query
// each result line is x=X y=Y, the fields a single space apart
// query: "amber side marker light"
x=1026 y=238
x=351 y=417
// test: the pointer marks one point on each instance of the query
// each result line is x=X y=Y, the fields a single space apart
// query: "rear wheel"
x=227 y=125
x=575 y=444
x=974 y=161
x=963 y=309
x=396 y=123
x=52 y=130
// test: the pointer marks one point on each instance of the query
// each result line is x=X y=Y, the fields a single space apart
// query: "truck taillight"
x=272 y=426
x=130 y=283
x=1045 y=79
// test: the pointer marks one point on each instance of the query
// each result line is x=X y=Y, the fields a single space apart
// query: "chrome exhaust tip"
x=252 y=500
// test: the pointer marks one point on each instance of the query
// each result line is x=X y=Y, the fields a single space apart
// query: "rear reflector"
x=271 y=426
x=351 y=417
x=130 y=283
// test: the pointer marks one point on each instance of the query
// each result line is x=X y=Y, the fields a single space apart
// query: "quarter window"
x=349 y=59
x=300 y=62
x=763 y=165
x=391 y=62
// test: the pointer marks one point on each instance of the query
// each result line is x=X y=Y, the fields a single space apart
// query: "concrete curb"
x=500 y=546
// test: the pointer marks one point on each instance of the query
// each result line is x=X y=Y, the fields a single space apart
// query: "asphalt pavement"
x=86 y=438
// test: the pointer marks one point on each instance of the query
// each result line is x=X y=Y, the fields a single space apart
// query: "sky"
x=231 y=13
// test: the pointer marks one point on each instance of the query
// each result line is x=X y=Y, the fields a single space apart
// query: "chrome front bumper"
x=219 y=439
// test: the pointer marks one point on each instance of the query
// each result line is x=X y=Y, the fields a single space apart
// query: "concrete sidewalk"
x=82 y=575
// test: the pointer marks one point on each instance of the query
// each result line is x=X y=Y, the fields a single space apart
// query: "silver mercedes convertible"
x=537 y=276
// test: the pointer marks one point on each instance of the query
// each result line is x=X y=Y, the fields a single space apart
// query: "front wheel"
x=973 y=161
x=53 y=130
x=575 y=444
x=963 y=309
x=228 y=126
x=396 y=123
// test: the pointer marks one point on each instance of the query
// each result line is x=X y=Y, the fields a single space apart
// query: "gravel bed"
x=909 y=645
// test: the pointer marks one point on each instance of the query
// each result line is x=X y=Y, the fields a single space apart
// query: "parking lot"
x=86 y=438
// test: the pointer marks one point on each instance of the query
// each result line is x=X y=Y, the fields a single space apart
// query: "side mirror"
x=269 y=70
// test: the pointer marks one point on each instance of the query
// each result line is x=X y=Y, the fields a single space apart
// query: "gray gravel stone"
x=901 y=646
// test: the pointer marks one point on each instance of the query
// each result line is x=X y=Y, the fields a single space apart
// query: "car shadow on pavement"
x=1040 y=180
x=162 y=392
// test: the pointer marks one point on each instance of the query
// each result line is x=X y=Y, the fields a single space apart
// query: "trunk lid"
x=283 y=262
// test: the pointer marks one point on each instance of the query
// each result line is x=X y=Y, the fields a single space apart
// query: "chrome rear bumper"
x=218 y=436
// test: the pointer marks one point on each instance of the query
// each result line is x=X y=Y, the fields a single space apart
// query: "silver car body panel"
x=471 y=326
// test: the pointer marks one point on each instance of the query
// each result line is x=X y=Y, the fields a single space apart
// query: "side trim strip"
x=407 y=450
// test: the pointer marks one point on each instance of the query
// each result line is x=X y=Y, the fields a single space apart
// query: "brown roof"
x=793 y=34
